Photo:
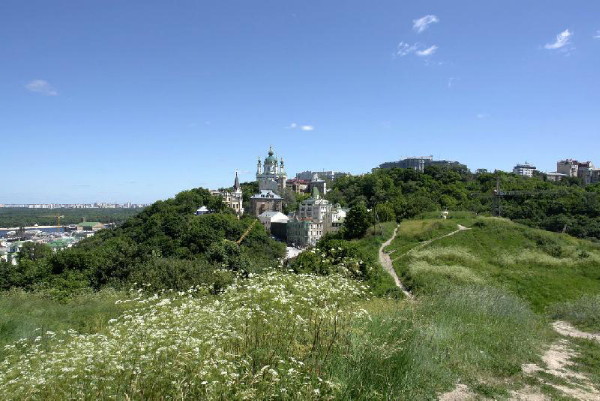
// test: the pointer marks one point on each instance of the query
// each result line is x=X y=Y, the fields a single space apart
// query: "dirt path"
x=386 y=262
x=425 y=243
x=565 y=329
x=557 y=361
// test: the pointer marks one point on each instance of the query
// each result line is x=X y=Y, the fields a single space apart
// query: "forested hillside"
x=397 y=194
x=165 y=246
x=25 y=217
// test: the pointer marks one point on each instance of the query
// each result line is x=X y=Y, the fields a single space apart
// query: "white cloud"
x=301 y=127
x=562 y=39
x=404 y=49
x=451 y=81
x=481 y=116
x=426 y=52
x=423 y=23
x=42 y=87
x=597 y=35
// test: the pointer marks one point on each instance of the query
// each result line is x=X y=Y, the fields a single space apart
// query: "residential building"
x=297 y=185
x=265 y=200
x=584 y=170
x=329 y=175
x=233 y=197
x=202 y=210
x=524 y=169
x=554 y=176
x=318 y=183
x=315 y=217
x=269 y=217
x=568 y=167
x=420 y=162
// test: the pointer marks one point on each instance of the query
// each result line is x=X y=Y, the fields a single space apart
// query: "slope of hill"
x=481 y=324
x=540 y=267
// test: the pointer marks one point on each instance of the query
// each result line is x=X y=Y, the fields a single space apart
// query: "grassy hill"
x=538 y=266
x=485 y=299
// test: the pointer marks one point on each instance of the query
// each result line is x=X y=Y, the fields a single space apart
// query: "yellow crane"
x=239 y=241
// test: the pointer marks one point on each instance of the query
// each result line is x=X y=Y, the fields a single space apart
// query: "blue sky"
x=137 y=100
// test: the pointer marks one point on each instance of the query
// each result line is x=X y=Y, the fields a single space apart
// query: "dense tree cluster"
x=396 y=194
x=165 y=246
x=25 y=217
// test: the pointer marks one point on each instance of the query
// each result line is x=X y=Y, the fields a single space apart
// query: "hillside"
x=480 y=325
x=166 y=246
x=540 y=267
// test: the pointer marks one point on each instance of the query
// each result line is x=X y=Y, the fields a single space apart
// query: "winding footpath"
x=425 y=243
x=386 y=262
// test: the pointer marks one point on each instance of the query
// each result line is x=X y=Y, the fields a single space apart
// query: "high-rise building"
x=524 y=169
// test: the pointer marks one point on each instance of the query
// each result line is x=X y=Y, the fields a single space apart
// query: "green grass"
x=583 y=312
x=28 y=315
x=479 y=336
x=541 y=267
x=483 y=299
x=587 y=360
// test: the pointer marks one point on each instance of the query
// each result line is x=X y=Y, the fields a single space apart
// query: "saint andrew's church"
x=314 y=217
x=271 y=178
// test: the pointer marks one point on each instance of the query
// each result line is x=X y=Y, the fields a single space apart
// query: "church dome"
x=271 y=158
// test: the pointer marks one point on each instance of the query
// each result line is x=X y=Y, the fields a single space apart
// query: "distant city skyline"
x=135 y=101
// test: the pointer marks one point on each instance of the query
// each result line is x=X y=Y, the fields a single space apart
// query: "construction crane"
x=57 y=217
x=239 y=241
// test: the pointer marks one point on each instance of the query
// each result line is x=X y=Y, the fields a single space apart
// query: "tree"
x=34 y=251
x=357 y=222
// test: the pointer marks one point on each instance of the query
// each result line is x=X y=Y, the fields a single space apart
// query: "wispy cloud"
x=404 y=49
x=301 y=127
x=426 y=52
x=597 y=35
x=482 y=116
x=42 y=87
x=423 y=23
x=452 y=81
x=562 y=39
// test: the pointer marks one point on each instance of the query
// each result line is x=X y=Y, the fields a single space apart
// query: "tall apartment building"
x=524 y=169
x=584 y=170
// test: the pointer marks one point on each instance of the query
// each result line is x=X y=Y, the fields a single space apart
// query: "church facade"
x=271 y=174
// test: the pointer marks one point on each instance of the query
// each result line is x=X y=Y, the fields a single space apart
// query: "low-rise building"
x=317 y=183
x=303 y=233
x=269 y=217
x=554 y=176
x=329 y=175
x=233 y=197
x=202 y=210
x=90 y=226
x=296 y=185
x=265 y=200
